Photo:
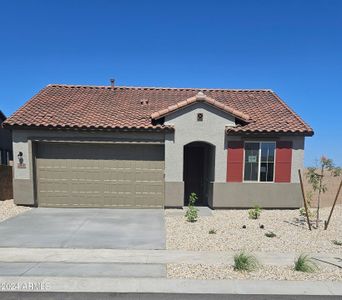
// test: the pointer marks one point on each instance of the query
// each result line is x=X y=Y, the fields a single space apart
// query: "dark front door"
x=194 y=180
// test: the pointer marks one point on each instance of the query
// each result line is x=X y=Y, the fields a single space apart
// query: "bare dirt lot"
x=328 y=197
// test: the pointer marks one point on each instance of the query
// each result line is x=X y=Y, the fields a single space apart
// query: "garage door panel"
x=100 y=175
x=84 y=199
x=120 y=200
x=86 y=187
x=54 y=186
x=149 y=176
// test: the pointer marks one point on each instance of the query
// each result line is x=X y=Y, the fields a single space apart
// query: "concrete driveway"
x=85 y=228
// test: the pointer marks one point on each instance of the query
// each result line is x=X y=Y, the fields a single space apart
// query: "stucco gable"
x=188 y=116
x=201 y=98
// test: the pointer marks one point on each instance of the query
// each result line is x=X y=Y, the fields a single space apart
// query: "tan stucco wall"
x=174 y=194
x=266 y=195
x=188 y=129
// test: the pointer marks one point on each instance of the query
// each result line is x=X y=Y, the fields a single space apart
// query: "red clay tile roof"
x=102 y=107
x=200 y=97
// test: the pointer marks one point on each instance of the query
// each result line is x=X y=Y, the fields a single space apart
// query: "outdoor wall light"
x=21 y=160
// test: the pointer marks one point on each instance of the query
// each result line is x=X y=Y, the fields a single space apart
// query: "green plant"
x=316 y=179
x=270 y=234
x=192 y=212
x=212 y=231
x=309 y=196
x=337 y=243
x=255 y=212
x=304 y=263
x=192 y=199
x=245 y=262
x=302 y=212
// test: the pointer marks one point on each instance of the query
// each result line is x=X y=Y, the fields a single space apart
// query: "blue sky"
x=291 y=47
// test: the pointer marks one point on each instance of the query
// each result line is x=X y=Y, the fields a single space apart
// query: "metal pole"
x=326 y=224
x=303 y=194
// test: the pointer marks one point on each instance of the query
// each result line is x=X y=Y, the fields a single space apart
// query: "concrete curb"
x=168 y=286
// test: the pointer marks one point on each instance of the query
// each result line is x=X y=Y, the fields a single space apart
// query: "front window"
x=259 y=161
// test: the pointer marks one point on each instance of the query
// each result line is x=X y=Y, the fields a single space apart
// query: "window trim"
x=259 y=160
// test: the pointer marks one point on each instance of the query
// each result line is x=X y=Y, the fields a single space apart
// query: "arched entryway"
x=199 y=171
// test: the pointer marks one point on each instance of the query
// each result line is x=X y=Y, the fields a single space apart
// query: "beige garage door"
x=100 y=175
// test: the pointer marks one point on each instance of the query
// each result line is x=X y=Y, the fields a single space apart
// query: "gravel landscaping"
x=8 y=209
x=264 y=273
x=291 y=232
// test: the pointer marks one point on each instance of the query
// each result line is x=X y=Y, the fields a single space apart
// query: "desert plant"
x=302 y=212
x=192 y=212
x=309 y=196
x=337 y=243
x=270 y=234
x=255 y=212
x=212 y=231
x=316 y=179
x=304 y=263
x=245 y=262
x=192 y=199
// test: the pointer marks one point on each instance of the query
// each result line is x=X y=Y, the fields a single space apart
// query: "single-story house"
x=131 y=147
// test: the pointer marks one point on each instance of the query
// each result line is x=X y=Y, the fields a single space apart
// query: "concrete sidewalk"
x=141 y=274
x=149 y=256
x=169 y=286
x=67 y=269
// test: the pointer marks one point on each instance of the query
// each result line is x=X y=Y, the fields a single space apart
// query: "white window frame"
x=259 y=161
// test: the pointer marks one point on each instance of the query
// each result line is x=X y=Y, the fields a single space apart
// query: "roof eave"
x=255 y=133
x=92 y=128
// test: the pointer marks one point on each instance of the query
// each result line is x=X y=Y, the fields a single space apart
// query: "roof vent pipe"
x=112 y=83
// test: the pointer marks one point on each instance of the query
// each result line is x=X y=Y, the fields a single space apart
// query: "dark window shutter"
x=283 y=161
x=235 y=161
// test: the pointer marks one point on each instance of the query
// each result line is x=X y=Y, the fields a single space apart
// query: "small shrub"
x=192 y=212
x=255 y=212
x=337 y=243
x=244 y=226
x=212 y=231
x=302 y=213
x=270 y=234
x=245 y=262
x=261 y=226
x=304 y=263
